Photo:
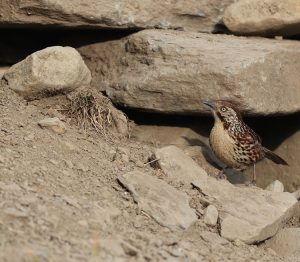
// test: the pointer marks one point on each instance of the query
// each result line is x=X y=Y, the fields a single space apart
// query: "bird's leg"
x=254 y=175
x=221 y=174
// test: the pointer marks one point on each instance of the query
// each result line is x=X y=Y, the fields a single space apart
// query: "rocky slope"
x=63 y=198
x=80 y=181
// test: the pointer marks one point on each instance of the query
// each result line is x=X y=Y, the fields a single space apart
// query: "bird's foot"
x=251 y=183
x=221 y=175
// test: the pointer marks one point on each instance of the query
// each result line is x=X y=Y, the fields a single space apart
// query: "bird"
x=233 y=142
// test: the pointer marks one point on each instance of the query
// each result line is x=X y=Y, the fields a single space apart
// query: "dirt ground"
x=60 y=199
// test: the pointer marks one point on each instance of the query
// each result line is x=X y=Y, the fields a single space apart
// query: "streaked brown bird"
x=235 y=143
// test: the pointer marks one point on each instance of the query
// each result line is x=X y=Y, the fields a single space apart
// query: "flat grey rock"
x=248 y=214
x=165 y=204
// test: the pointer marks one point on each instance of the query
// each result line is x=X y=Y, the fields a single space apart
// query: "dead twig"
x=152 y=161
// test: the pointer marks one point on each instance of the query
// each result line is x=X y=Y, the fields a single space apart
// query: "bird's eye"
x=223 y=109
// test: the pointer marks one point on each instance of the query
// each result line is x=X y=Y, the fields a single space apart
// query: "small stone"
x=11 y=211
x=69 y=164
x=82 y=167
x=83 y=223
x=27 y=200
x=275 y=186
x=112 y=245
x=71 y=201
x=10 y=187
x=213 y=238
x=238 y=243
x=124 y=152
x=54 y=162
x=2 y=159
x=129 y=249
x=42 y=210
x=139 y=163
x=44 y=168
x=21 y=124
x=125 y=158
x=156 y=242
x=54 y=124
x=69 y=146
x=211 y=215
x=54 y=113
x=68 y=173
x=138 y=222
x=29 y=137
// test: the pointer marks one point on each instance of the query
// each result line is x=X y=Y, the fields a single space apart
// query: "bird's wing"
x=251 y=135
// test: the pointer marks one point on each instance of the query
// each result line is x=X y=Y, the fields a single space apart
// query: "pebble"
x=69 y=146
x=211 y=215
x=83 y=223
x=138 y=222
x=125 y=158
x=275 y=186
x=238 y=243
x=176 y=252
x=44 y=168
x=67 y=173
x=29 y=137
x=124 y=152
x=82 y=167
x=11 y=211
x=10 y=187
x=2 y=159
x=71 y=201
x=55 y=113
x=69 y=164
x=27 y=200
x=54 y=124
x=54 y=162
x=129 y=249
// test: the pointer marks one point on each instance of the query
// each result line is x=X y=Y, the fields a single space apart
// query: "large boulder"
x=248 y=214
x=49 y=71
x=172 y=71
x=196 y=15
x=263 y=17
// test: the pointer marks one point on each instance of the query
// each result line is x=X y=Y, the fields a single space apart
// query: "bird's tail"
x=275 y=158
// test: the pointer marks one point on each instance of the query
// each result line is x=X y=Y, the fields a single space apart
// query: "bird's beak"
x=210 y=104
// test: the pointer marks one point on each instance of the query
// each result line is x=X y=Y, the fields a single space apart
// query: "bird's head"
x=224 y=111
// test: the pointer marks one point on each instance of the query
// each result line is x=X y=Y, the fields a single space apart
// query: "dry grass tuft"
x=91 y=110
